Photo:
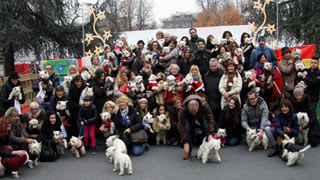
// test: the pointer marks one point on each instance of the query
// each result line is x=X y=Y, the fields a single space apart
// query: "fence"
x=26 y=83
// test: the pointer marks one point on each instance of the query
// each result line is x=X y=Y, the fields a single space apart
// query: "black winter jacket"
x=211 y=86
x=202 y=61
x=88 y=113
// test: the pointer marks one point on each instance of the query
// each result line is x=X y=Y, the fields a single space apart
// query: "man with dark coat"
x=194 y=109
x=6 y=89
x=202 y=58
x=194 y=38
x=137 y=65
x=211 y=83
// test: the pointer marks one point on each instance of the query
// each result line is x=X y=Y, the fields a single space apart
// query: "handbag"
x=139 y=137
x=47 y=153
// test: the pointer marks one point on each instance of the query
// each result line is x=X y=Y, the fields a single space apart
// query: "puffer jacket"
x=88 y=113
x=291 y=121
x=202 y=61
x=255 y=115
x=184 y=114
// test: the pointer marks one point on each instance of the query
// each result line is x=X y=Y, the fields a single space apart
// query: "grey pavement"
x=164 y=162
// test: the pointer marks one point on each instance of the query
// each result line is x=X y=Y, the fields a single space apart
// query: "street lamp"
x=83 y=3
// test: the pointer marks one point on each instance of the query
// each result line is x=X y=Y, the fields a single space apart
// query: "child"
x=88 y=116
x=197 y=83
x=261 y=59
x=161 y=128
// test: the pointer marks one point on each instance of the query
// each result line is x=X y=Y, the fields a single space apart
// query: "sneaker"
x=186 y=156
x=273 y=153
x=87 y=148
x=15 y=174
x=147 y=148
x=94 y=151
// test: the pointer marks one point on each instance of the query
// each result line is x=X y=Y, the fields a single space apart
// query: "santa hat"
x=197 y=86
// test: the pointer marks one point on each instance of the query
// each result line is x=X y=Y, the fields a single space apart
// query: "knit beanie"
x=143 y=99
x=298 y=91
x=99 y=72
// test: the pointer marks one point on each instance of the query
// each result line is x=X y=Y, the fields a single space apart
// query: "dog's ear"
x=210 y=137
x=80 y=137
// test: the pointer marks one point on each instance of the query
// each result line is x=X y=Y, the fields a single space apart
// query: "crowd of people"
x=196 y=85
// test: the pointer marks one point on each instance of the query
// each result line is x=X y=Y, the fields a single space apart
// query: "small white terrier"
x=292 y=157
x=57 y=135
x=77 y=147
x=34 y=150
x=121 y=161
x=303 y=121
x=147 y=120
x=209 y=149
x=253 y=139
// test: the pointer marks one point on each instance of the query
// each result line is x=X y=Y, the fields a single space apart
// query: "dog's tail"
x=304 y=149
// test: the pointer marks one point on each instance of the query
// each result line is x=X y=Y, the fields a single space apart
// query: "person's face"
x=185 y=39
x=286 y=55
x=263 y=59
x=52 y=119
x=123 y=39
x=109 y=108
x=245 y=36
x=95 y=61
x=178 y=104
x=107 y=50
x=222 y=50
x=285 y=109
x=314 y=64
x=193 y=109
x=193 y=33
x=187 y=54
x=174 y=70
x=14 y=81
x=122 y=105
x=78 y=83
x=213 y=66
x=49 y=69
x=262 y=43
x=132 y=76
x=162 y=110
x=102 y=77
x=72 y=71
x=194 y=72
x=60 y=94
x=230 y=68
x=158 y=36
x=228 y=36
x=211 y=38
x=232 y=104
x=298 y=97
x=172 y=45
x=200 y=46
x=87 y=103
x=143 y=105
x=166 y=38
x=140 y=45
x=34 y=110
x=155 y=46
x=253 y=100
x=234 y=47
x=14 y=117
x=123 y=76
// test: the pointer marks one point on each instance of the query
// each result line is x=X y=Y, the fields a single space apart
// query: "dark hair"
x=160 y=32
x=252 y=91
x=222 y=46
x=237 y=110
x=93 y=58
x=59 y=88
x=159 y=47
x=242 y=37
x=84 y=68
x=208 y=38
x=315 y=58
x=140 y=41
x=47 y=122
x=87 y=98
x=201 y=40
x=286 y=102
x=129 y=72
x=193 y=29
x=260 y=56
x=158 y=108
x=225 y=33
x=261 y=38
x=173 y=41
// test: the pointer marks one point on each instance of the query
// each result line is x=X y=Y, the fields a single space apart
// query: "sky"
x=164 y=8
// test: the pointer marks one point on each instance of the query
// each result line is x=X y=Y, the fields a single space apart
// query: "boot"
x=93 y=151
x=274 y=151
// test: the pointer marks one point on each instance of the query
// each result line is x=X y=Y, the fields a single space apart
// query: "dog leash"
x=81 y=127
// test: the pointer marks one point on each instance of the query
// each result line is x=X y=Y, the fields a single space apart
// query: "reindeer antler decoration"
x=90 y=37
x=270 y=28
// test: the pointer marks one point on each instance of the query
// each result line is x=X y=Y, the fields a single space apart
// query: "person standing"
x=262 y=48
x=287 y=70
x=202 y=57
x=194 y=38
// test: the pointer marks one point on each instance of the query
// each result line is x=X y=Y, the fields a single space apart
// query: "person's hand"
x=44 y=86
x=82 y=123
x=31 y=141
x=63 y=118
x=186 y=148
x=286 y=137
x=260 y=134
x=300 y=128
x=146 y=128
x=105 y=130
x=19 y=153
x=128 y=130
x=286 y=129
x=86 y=121
x=226 y=95
x=248 y=128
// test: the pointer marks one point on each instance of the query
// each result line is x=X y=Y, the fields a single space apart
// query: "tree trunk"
x=9 y=59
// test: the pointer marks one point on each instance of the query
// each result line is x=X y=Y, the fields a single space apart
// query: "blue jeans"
x=45 y=106
x=314 y=141
x=233 y=141
x=138 y=150
x=191 y=125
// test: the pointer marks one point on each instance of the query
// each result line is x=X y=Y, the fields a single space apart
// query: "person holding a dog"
x=194 y=110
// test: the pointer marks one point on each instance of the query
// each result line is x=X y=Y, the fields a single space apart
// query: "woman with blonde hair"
x=111 y=108
x=121 y=85
x=197 y=82
x=127 y=121
x=73 y=70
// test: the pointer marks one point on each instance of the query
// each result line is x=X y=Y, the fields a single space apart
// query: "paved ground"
x=164 y=162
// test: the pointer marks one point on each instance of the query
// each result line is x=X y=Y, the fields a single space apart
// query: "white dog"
x=292 y=155
x=33 y=124
x=186 y=83
x=170 y=84
x=301 y=69
x=166 y=50
x=303 y=121
x=67 y=83
x=221 y=134
x=118 y=143
x=296 y=54
x=57 y=135
x=209 y=149
x=86 y=92
x=162 y=124
x=16 y=92
x=147 y=120
x=34 y=150
x=106 y=118
x=253 y=139
x=121 y=161
x=61 y=108
x=85 y=75
x=77 y=147
x=44 y=75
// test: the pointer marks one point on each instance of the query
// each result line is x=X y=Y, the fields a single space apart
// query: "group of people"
x=217 y=96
